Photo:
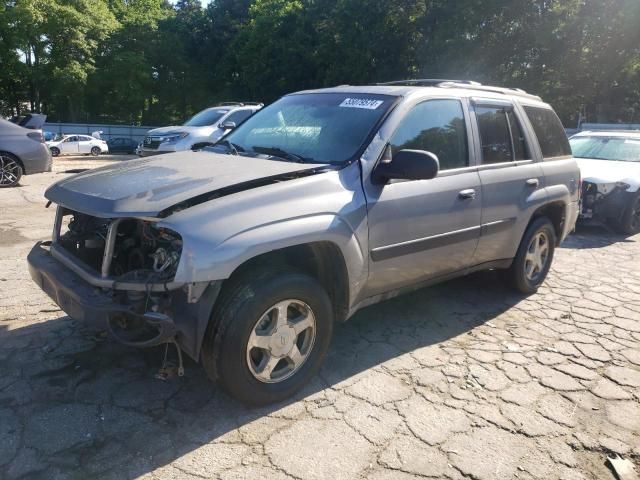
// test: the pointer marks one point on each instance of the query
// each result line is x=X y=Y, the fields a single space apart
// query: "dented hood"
x=145 y=187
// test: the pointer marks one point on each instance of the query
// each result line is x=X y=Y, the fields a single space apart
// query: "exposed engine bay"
x=137 y=250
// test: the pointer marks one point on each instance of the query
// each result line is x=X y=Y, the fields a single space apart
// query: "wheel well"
x=321 y=260
x=556 y=213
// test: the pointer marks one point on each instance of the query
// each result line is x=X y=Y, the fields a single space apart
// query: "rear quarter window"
x=549 y=131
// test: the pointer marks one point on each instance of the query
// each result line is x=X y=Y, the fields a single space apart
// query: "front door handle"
x=469 y=193
x=533 y=182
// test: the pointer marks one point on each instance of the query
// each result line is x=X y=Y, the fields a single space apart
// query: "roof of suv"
x=434 y=86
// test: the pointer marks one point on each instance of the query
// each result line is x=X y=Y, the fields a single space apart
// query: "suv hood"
x=146 y=187
x=608 y=171
x=181 y=128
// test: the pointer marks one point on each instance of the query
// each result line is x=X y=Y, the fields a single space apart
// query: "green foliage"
x=151 y=62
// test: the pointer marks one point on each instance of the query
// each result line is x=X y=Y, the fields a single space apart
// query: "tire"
x=55 y=151
x=528 y=271
x=630 y=221
x=248 y=306
x=95 y=151
x=10 y=170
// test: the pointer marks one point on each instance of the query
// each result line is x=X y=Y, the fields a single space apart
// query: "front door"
x=69 y=145
x=425 y=228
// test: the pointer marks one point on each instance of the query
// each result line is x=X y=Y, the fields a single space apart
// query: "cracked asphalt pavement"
x=462 y=380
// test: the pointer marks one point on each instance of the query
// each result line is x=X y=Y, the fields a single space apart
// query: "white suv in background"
x=207 y=126
x=78 y=145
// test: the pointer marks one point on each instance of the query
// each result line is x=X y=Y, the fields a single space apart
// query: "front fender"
x=204 y=262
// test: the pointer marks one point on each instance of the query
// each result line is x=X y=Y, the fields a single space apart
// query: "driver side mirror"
x=409 y=165
x=227 y=125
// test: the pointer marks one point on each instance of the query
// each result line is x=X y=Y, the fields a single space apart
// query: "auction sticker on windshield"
x=367 y=103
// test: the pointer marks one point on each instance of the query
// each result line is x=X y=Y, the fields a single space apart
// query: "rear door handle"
x=467 y=194
x=533 y=182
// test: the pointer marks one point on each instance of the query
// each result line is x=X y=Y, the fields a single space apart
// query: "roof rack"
x=239 y=104
x=467 y=84
x=427 y=82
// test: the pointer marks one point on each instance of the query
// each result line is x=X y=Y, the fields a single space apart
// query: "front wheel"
x=95 y=151
x=630 y=223
x=55 y=151
x=268 y=335
x=533 y=259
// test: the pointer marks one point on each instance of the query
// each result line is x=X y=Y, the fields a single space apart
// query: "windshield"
x=606 y=148
x=314 y=127
x=205 y=118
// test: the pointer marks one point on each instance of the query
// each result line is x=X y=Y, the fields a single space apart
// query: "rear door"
x=510 y=176
x=421 y=229
x=85 y=143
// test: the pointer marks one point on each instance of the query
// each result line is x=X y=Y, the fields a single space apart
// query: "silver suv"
x=246 y=253
x=207 y=126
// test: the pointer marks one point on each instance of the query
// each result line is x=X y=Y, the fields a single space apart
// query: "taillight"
x=37 y=136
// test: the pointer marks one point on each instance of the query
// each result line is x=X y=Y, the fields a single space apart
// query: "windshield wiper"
x=280 y=153
x=231 y=146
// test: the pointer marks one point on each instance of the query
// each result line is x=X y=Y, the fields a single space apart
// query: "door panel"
x=84 y=145
x=70 y=146
x=507 y=204
x=422 y=229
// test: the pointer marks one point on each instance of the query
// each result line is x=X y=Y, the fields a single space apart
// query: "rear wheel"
x=10 y=170
x=55 y=151
x=95 y=151
x=268 y=335
x=533 y=259
x=630 y=222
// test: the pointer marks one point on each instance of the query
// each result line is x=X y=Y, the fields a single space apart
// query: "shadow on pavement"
x=593 y=236
x=75 y=405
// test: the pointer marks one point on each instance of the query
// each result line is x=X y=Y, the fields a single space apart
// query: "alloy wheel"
x=281 y=341
x=10 y=171
x=537 y=256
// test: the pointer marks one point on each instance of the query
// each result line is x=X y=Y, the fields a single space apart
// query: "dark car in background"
x=122 y=145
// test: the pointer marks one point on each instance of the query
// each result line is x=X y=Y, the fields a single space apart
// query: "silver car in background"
x=205 y=127
x=22 y=152
x=610 y=166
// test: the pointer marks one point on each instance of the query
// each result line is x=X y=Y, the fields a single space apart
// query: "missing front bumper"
x=183 y=318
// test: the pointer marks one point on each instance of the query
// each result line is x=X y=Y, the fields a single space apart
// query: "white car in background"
x=609 y=162
x=205 y=127
x=78 y=145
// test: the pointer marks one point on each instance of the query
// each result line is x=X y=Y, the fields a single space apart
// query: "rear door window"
x=549 y=131
x=495 y=136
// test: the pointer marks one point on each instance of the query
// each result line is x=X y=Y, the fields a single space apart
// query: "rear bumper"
x=37 y=160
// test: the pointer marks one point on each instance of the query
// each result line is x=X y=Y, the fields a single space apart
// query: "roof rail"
x=486 y=88
x=427 y=82
x=468 y=84
x=239 y=104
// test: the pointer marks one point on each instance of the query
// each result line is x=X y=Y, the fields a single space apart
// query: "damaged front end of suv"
x=604 y=202
x=121 y=277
